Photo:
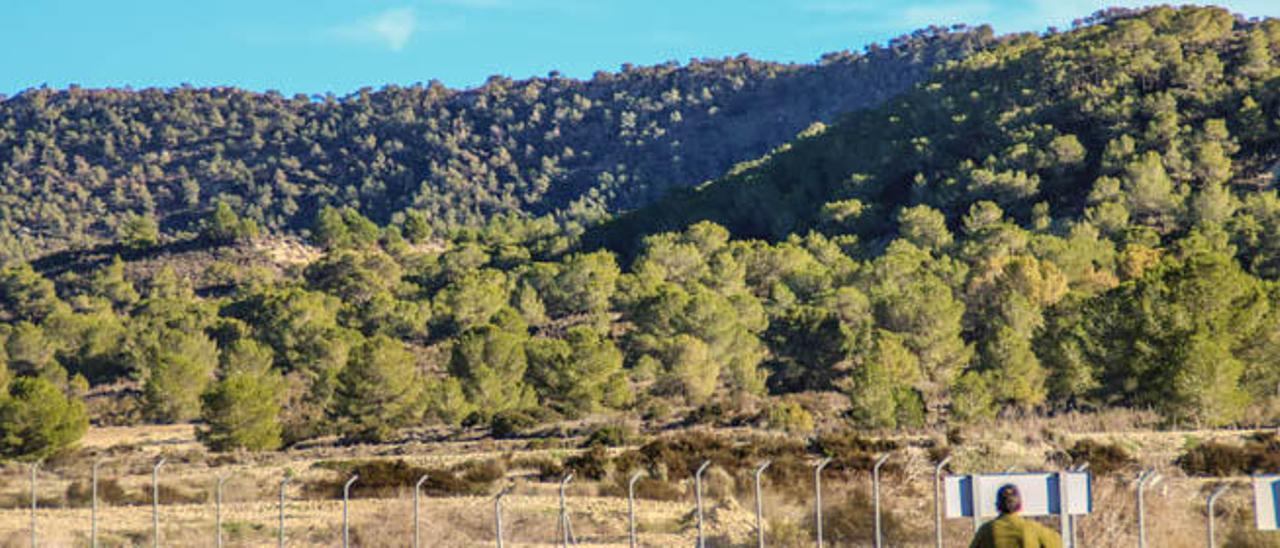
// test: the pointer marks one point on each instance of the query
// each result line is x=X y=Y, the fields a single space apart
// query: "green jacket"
x=1012 y=531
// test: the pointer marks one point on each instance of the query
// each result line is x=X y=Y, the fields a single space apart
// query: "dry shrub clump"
x=678 y=456
x=545 y=468
x=591 y=464
x=80 y=493
x=170 y=494
x=673 y=459
x=1259 y=454
x=851 y=522
x=1104 y=459
x=512 y=424
x=851 y=451
x=383 y=478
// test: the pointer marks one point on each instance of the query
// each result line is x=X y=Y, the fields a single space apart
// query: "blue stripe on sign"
x=966 y=496
x=1275 y=498
x=1055 y=495
x=1088 y=485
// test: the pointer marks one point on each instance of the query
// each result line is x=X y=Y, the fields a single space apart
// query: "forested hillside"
x=75 y=164
x=1073 y=221
x=1130 y=123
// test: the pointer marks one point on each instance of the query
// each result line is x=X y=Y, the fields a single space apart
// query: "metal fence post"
x=1071 y=519
x=155 y=503
x=497 y=513
x=937 y=500
x=417 y=522
x=697 y=484
x=280 y=531
x=566 y=530
x=817 y=497
x=346 y=524
x=34 y=465
x=1213 y=498
x=1146 y=479
x=875 y=495
x=218 y=510
x=93 y=508
x=760 y=504
x=631 y=506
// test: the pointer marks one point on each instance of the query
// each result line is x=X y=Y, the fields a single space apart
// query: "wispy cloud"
x=568 y=7
x=475 y=4
x=836 y=7
x=391 y=29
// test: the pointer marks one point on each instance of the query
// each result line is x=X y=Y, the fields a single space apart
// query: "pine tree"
x=138 y=232
x=925 y=227
x=1017 y=377
x=109 y=283
x=241 y=410
x=178 y=366
x=691 y=367
x=37 y=420
x=1206 y=386
x=1151 y=192
x=882 y=385
x=578 y=374
x=379 y=391
x=491 y=363
x=971 y=398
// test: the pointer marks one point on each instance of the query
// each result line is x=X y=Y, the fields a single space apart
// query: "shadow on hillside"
x=86 y=260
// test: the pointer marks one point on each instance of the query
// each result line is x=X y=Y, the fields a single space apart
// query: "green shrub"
x=511 y=424
x=790 y=417
x=611 y=435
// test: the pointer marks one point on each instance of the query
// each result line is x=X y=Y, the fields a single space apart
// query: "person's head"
x=1008 y=499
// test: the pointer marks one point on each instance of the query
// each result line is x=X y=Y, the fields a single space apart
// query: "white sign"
x=1266 y=502
x=1041 y=493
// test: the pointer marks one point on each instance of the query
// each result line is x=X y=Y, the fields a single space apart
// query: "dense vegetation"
x=1070 y=221
x=76 y=165
x=1100 y=203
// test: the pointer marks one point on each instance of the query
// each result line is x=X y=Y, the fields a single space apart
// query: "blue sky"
x=317 y=46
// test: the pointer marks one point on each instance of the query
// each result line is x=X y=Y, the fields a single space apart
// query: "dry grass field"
x=313 y=514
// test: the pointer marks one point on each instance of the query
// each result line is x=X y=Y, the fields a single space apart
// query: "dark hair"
x=1008 y=499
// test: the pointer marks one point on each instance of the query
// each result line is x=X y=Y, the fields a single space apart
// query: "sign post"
x=1147 y=479
x=697 y=486
x=760 y=504
x=1213 y=498
x=631 y=507
x=937 y=500
x=875 y=494
x=817 y=497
